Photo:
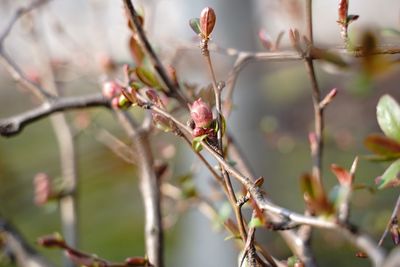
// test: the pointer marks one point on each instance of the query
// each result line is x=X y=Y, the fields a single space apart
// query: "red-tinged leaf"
x=136 y=51
x=147 y=77
x=207 y=21
x=383 y=146
x=342 y=11
x=343 y=176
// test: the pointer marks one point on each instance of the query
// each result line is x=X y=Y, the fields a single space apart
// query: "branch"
x=23 y=253
x=15 y=124
x=392 y=217
x=155 y=61
x=16 y=16
x=149 y=188
x=361 y=240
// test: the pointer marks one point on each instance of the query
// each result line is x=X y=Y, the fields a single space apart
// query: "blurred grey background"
x=271 y=119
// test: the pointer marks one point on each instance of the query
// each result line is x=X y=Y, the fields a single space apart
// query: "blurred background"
x=271 y=119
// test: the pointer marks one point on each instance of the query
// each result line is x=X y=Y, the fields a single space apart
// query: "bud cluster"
x=202 y=117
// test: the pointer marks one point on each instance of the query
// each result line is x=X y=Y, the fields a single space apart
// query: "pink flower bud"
x=43 y=188
x=111 y=89
x=201 y=113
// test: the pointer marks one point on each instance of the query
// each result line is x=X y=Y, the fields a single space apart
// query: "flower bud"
x=111 y=89
x=201 y=113
x=207 y=21
x=43 y=188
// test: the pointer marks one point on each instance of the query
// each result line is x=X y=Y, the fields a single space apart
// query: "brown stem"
x=394 y=214
x=149 y=188
x=231 y=193
x=155 y=61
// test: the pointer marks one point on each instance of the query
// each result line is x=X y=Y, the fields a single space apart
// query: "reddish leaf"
x=343 y=176
x=136 y=51
x=383 y=146
x=342 y=11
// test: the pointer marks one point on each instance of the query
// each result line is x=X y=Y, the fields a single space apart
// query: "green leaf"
x=195 y=25
x=196 y=143
x=223 y=122
x=255 y=222
x=388 y=115
x=383 y=146
x=147 y=77
x=391 y=173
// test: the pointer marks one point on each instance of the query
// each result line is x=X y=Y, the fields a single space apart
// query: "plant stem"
x=231 y=193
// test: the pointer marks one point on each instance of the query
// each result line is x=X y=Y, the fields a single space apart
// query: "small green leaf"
x=196 y=143
x=255 y=222
x=388 y=115
x=223 y=122
x=147 y=77
x=195 y=25
x=391 y=173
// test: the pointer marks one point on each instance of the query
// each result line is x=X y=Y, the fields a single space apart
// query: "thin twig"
x=16 y=16
x=155 y=61
x=394 y=214
x=18 y=248
x=217 y=93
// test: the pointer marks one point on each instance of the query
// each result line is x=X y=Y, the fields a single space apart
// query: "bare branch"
x=14 y=125
x=149 y=188
x=17 y=15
